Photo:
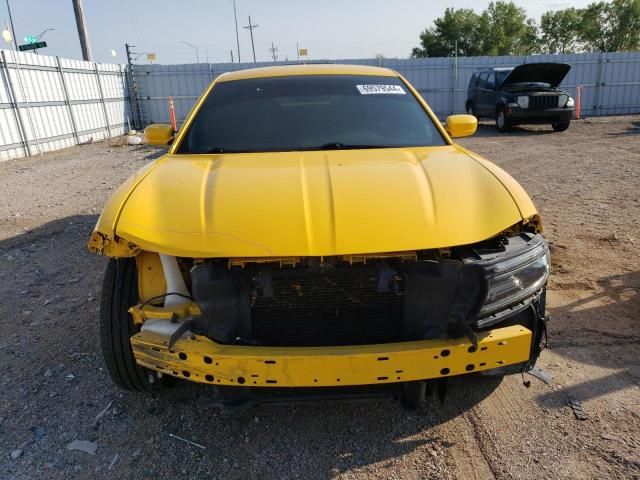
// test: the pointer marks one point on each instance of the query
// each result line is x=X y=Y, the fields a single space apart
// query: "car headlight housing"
x=516 y=278
x=569 y=102
x=562 y=100
x=523 y=101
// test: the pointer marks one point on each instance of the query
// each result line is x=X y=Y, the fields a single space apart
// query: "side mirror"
x=159 y=134
x=459 y=126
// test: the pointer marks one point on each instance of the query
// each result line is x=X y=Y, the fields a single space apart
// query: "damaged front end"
x=351 y=320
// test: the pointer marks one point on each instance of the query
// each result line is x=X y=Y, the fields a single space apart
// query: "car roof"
x=308 y=69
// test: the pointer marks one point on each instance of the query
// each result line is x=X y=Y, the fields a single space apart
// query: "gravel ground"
x=586 y=183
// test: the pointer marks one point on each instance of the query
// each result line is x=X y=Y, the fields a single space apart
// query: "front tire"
x=560 y=126
x=502 y=122
x=119 y=293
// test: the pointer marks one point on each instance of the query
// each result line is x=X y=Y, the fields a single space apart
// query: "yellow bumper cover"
x=202 y=360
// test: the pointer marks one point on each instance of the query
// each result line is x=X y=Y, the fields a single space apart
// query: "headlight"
x=569 y=102
x=514 y=279
x=562 y=100
x=523 y=101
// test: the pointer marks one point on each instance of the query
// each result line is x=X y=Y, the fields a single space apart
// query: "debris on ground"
x=187 y=441
x=84 y=446
x=115 y=459
x=39 y=432
x=576 y=406
x=541 y=374
x=17 y=453
x=101 y=414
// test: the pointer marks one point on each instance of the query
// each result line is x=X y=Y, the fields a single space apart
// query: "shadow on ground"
x=490 y=130
x=633 y=129
x=601 y=329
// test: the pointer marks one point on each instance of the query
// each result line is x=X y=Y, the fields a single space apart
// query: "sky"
x=328 y=29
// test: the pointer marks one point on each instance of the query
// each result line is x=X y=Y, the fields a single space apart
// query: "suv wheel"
x=119 y=293
x=471 y=110
x=502 y=123
x=560 y=126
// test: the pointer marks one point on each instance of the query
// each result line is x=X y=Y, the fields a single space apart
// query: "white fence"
x=611 y=81
x=47 y=103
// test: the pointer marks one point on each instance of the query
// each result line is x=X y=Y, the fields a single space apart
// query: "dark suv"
x=524 y=94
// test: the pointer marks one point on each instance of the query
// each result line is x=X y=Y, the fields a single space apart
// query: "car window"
x=473 y=81
x=491 y=80
x=501 y=75
x=309 y=112
x=482 y=81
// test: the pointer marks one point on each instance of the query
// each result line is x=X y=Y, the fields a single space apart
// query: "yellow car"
x=313 y=230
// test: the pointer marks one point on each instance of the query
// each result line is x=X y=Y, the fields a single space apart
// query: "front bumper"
x=550 y=115
x=202 y=360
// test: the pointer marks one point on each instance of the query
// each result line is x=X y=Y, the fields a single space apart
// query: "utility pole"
x=273 y=51
x=78 y=9
x=231 y=52
x=13 y=31
x=251 y=27
x=237 y=37
x=133 y=89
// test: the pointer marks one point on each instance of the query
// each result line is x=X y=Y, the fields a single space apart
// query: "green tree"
x=502 y=29
x=611 y=27
x=510 y=31
x=462 y=25
x=560 y=31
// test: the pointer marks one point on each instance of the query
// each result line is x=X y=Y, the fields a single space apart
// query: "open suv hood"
x=551 y=73
x=317 y=203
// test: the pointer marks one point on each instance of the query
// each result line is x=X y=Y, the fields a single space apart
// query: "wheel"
x=119 y=293
x=471 y=110
x=502 y=123
x=560 y=126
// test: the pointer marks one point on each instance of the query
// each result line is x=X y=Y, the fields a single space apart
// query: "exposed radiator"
x=336 y=307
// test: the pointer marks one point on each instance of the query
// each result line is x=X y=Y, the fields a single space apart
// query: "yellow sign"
x=6 y=34
x=151 y=57
x=303 y=52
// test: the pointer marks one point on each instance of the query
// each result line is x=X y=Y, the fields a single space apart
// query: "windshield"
x=309 y=112
x=502 y=74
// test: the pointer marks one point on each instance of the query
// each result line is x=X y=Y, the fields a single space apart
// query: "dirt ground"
x=54 y=387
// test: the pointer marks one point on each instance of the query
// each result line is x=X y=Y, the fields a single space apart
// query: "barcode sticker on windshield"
x=380 y=89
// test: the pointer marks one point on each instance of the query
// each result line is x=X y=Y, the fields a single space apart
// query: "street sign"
x=32 y=46
x=30 y=39
x=303 y=52
x=151 y=57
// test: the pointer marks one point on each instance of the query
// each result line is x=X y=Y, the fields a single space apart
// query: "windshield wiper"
x=346 y=146
x=226 y=150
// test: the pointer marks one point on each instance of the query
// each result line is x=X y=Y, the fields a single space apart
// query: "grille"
x=542 y=102
x=340 y=307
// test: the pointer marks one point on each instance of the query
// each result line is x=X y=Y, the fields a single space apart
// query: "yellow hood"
x=317 y=203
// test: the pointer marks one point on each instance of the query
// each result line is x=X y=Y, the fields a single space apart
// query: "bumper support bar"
x=202 y=360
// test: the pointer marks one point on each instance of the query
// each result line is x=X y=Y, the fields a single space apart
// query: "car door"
x=472 y=89
x=491 y=94
x=481 y=97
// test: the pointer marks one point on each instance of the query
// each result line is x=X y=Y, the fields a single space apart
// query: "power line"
x=250 y=27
